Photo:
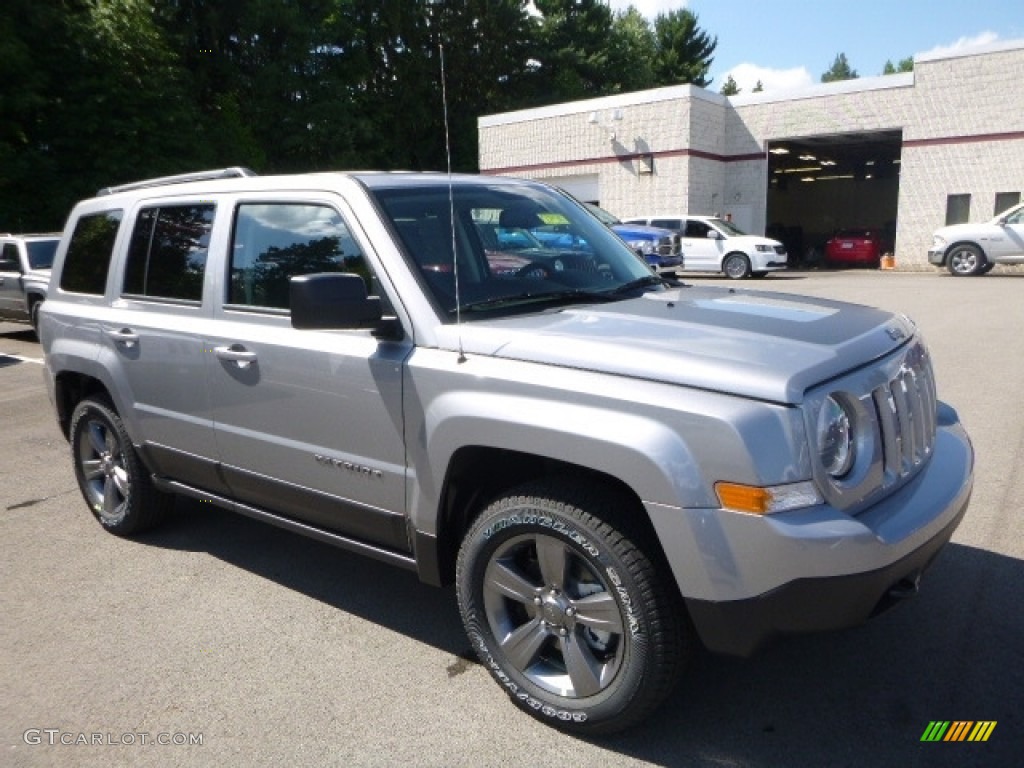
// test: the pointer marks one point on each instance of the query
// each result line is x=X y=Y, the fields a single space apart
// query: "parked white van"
x=712 y=244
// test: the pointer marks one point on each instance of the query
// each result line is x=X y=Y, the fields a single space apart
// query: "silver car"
x=609 y=466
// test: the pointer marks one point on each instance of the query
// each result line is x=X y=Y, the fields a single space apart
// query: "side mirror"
x=713 y=234
x=332 y=301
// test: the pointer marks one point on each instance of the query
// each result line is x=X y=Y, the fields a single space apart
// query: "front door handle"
x=125 y=336
x=237 y=354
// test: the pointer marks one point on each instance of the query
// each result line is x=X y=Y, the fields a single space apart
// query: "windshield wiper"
x=534 y=298
x=647 y=281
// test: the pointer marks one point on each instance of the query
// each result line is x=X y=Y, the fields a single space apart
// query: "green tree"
x=684 y=53
x=92 y=95
x=903 y=65
x=571 y=53
x=730 y=88
x=631 y=52
x=840 y=70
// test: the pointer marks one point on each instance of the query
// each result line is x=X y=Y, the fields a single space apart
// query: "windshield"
x=40 y=253
x=515 y=245
x=727 y=227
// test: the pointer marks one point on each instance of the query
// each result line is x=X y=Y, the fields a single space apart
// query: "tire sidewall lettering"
x=544 y=521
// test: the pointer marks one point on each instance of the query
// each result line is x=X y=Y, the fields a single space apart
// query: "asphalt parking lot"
x=272 y=650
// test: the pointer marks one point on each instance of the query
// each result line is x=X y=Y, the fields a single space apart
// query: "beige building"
x=902 y=154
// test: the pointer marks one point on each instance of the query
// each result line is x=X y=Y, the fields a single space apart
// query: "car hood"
x=981 y=229
x=38 y=275
x=749 y=240
x=758 y=344
x=640 y=232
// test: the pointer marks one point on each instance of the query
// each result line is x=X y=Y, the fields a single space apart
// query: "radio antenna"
x=451 y=201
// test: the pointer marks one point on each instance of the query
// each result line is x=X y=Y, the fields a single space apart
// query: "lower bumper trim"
x=740 y=627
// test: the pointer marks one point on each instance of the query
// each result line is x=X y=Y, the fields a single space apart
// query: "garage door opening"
x=818 y=186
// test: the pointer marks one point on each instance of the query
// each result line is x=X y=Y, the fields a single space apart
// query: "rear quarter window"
x=89 y=252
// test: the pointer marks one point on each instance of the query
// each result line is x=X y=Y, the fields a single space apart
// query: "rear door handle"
x=125 y=336
x=237 y=354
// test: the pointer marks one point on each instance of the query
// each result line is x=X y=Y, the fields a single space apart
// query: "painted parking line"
x=5 y=357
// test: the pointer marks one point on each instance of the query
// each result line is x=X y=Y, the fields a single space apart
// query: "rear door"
x=153 y=335
x=309 y=423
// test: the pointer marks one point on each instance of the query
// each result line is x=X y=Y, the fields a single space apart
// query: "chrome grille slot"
x=905 y=407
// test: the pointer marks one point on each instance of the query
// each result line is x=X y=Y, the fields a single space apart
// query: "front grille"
x=669 y=245
x=906 y=416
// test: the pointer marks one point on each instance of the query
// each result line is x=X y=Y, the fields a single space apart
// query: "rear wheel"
x=736 y=266
x=567 y=612
x=966 y=259
x=113 y=481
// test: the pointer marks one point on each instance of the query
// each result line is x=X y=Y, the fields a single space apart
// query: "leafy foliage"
x=98 y=92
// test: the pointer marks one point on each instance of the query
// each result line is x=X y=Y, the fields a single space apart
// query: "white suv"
x=711 y=244
x=974 y=249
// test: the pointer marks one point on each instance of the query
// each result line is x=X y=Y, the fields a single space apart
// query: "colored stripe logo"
x=958 y=730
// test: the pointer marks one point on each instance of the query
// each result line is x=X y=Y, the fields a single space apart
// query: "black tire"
x=965 y=259
x=33 y=316
x=989 y=266
x=115 y=484
x=567 y=613
x=736 y=266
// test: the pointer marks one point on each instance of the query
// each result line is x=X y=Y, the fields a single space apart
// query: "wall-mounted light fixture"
x=608 y=126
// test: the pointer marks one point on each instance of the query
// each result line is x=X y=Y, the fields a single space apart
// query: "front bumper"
x=937 y=257
x=823 y=569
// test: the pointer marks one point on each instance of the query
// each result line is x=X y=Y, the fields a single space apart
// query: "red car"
x=854 y=248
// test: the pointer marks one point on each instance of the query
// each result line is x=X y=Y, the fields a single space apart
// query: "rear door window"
x=167 y=254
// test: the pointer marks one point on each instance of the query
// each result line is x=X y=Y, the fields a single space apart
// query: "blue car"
x=660 y=248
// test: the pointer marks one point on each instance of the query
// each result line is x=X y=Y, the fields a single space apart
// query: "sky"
x=789 y=43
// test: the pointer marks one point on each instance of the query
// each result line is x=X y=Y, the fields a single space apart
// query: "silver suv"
x=609 y=466
x=25 y=262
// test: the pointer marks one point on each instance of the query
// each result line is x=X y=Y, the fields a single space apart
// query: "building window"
x=958 y=209
x=1005 y=200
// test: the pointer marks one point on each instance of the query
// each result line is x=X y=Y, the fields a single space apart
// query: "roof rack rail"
x=235 y=172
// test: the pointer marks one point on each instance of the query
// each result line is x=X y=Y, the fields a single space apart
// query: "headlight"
x=764 y=248
x=938 y=242
x=641 y=246
x=835 y=437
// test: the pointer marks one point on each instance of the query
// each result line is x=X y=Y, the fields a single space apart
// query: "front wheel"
x=736 y=266
x=966 y=260
x=113 y=481
x=566 y=612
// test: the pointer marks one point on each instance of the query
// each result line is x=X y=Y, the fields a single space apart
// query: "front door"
x=309 y=423
x=700 y=252
x=12 y=298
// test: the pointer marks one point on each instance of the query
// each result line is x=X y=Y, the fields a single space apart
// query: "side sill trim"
x=407 y=562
